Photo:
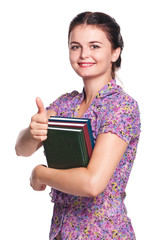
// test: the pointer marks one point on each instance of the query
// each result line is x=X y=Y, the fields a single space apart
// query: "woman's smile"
x=90 y=52
x=86 y=64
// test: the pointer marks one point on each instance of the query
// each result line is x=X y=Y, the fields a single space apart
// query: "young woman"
x=88 y=202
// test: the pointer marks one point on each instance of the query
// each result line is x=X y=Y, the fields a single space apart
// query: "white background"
x=34 y=62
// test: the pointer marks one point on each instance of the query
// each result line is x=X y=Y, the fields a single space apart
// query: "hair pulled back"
x=107 y=24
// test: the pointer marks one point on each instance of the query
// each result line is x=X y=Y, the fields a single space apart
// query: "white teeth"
x=86 y=64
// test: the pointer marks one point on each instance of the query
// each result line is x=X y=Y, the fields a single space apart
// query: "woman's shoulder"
x=128 y=101
x=113 y=96
x=69 y=95
x=66 y=97
x=122 y=100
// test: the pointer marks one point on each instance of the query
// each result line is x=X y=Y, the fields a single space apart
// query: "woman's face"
x=90 y=52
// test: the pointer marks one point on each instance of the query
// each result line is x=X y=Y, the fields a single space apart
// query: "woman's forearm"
x=75 y=181
x=31 y=138
x=25 y=144
x=90 y=181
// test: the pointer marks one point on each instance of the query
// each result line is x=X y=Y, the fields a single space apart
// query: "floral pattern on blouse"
x=104 y=216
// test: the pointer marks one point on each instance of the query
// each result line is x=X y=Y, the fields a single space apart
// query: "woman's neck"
x=92 y=87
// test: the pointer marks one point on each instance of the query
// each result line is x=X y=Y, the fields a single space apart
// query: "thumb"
x=40 y=105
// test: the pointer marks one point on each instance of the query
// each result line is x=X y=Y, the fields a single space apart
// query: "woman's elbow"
x=18 y=153
x=21 y=153
x=17 y=150
x=94 y=188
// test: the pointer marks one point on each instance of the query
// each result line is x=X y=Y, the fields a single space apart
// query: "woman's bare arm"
x=25 y=144
x=31 y=138
x=90 y=181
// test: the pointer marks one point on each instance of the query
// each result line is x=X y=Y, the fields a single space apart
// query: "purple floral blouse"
x=104 y=216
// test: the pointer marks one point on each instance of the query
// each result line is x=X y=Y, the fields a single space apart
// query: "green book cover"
x=74 y=125
x=65 y=148
x=76 y=120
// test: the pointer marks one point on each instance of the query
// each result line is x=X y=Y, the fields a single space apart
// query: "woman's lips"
x=86 y=64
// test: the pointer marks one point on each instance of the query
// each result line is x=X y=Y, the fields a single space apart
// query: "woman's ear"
x=115 y=54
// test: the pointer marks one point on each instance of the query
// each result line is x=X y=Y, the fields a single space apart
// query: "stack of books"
x=69 y=143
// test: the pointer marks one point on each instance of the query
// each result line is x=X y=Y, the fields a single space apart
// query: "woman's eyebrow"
x=95 y=42
x=74 y=42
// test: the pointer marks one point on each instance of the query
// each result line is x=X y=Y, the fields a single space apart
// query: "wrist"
x=36 y=181
x=40 y=172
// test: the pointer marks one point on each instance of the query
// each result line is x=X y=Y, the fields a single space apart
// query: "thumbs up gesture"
x=39 y=122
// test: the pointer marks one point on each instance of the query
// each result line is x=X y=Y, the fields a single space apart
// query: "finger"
x=39 y=132
x=38 y=119
x=40 y=105
x=40 y=138
x=39 y=135
x=40 y=125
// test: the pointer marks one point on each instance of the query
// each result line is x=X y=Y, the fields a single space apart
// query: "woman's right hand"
x=39 y=122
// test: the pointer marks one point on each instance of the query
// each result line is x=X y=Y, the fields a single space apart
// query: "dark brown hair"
x=107 y=24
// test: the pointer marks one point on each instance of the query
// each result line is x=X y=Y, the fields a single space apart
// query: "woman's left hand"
x=35 y=181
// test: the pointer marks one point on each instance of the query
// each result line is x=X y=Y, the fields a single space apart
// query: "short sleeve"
x=55 y=105
x=122 y=119
x=64 y=102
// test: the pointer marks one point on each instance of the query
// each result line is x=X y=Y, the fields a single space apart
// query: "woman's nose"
x=85 y=53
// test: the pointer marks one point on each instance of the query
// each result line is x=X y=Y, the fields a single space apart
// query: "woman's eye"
x=75 y=47
x=95 y=46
